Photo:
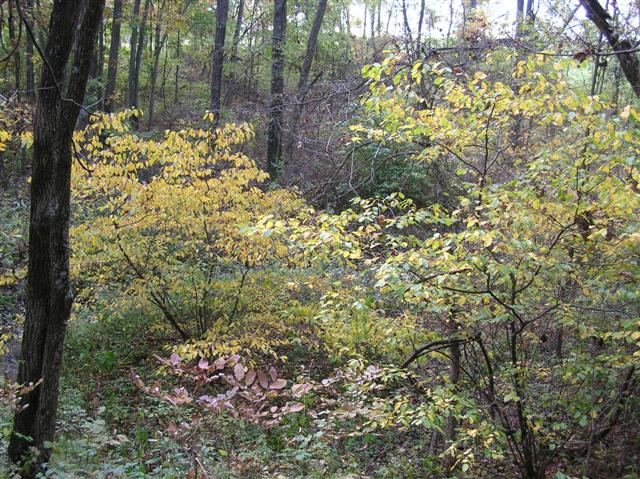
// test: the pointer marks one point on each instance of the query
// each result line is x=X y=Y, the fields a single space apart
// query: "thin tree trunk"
x=469 y=13
x=519 y=18
x=303 y=81
x=100 y=64
x=138 y=62
x=274 y=134
x=97 y=68
x=312 y=45
x=530 y=13
x=347 y=19
x=373 y=21
x=248 y=72
x=407 y=28
x=159 y=42
x=133 y=45
x=217 y=63
x=49 y=293
x=163 y=91
x=114 y=49
x=451 y=423
x=364 y=27
x=621 y=46
x=14 y=20
x=177 y=72
x=236 y=33
x=40 y=33
x=140 y=49
x=29 y=54
x=420 y=22
x=389 y=17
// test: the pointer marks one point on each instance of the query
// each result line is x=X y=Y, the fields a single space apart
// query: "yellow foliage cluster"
x=5 y=136
x=163 y=219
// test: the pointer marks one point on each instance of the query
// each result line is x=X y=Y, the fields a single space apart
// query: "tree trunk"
x=274 y=135
x=159 y=42
x=364 y=27
x=100 y=63
x=114 y=49
x=133 y=54
x=454 y=378
x=236 y=33
x=140 y=48
x=373 y=21
x=41 y=32
x=347 y=19
x=29 y=54
x=97 y=69
x=163 y=91
x=303 y=81
x=530 y=13
x=135 y=58
x=519 y=18
x=248 y=72
x=420 y=22
x=407 y=28
x=49 y=293
x=222 y=13
x=621 y=46
x=386 y=30
x=13 y=21
x=312 y=45
x=177 y=72
x=138 y=62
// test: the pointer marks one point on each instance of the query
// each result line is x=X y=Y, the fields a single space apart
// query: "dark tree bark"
x=217 y=63
x=236 y=32
x=114 y=49
x=49 y=293
x=274 y=134
x=623 y=47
